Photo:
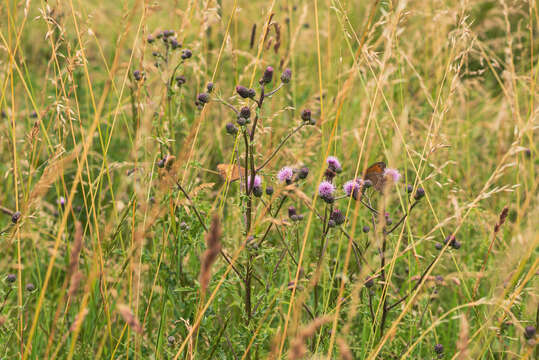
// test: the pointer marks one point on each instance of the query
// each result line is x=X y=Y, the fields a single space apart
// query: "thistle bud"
x=180 y=80
x=203 y=98
x=137 y=74
x=306 y=115
x=286 y=76
x=438 y=348
x=529 y=332
x=30 y=287
x=209 y=87
x=420 y=192
x=245 y=112
x=257 y=191
x=174 y=44
x=241 y=121
x=15 y=217
x=242 y=91
x=150 y=39
x=186 y=54
x=366 y=229
x=303 y=172
x=231 y=129
x=269 y=190
x=11 y=278
x=369 y=282
x=268 y=75
x=337 y=216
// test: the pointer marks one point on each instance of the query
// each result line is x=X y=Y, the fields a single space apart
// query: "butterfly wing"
x=375 y=173
x=230 y=171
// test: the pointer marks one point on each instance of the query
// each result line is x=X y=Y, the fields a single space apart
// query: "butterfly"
x=375 y=173
x=230 y=171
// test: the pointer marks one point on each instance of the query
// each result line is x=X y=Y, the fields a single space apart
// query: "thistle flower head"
x=352 y=187
x=256 y=183
x=285 y=175
x=334 y=164
x=392 y=174
x=326 y=190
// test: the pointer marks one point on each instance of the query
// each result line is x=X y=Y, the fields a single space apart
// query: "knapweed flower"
x=438 y=348
x=392 y=174
x=334 y=164
x=30 y=287
x=326 y=190
x=150 y=39
x=11 y=278
x=285 y=175
x=62 y=201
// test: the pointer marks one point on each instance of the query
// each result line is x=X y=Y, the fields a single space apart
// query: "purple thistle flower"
x=393 y=174
x=326 y=190
x=352 y=187
x=285 y=175
x=334 y=164
x=257 y=182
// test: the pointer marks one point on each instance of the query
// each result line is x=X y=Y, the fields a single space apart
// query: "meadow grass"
x=133 y=224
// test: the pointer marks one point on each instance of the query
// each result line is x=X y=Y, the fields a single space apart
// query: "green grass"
x=443 y=91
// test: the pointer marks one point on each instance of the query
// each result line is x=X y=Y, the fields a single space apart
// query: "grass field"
x=193 y=180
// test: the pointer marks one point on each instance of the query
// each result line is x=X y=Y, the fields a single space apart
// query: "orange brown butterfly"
x=375 y=174
x=230 y=171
